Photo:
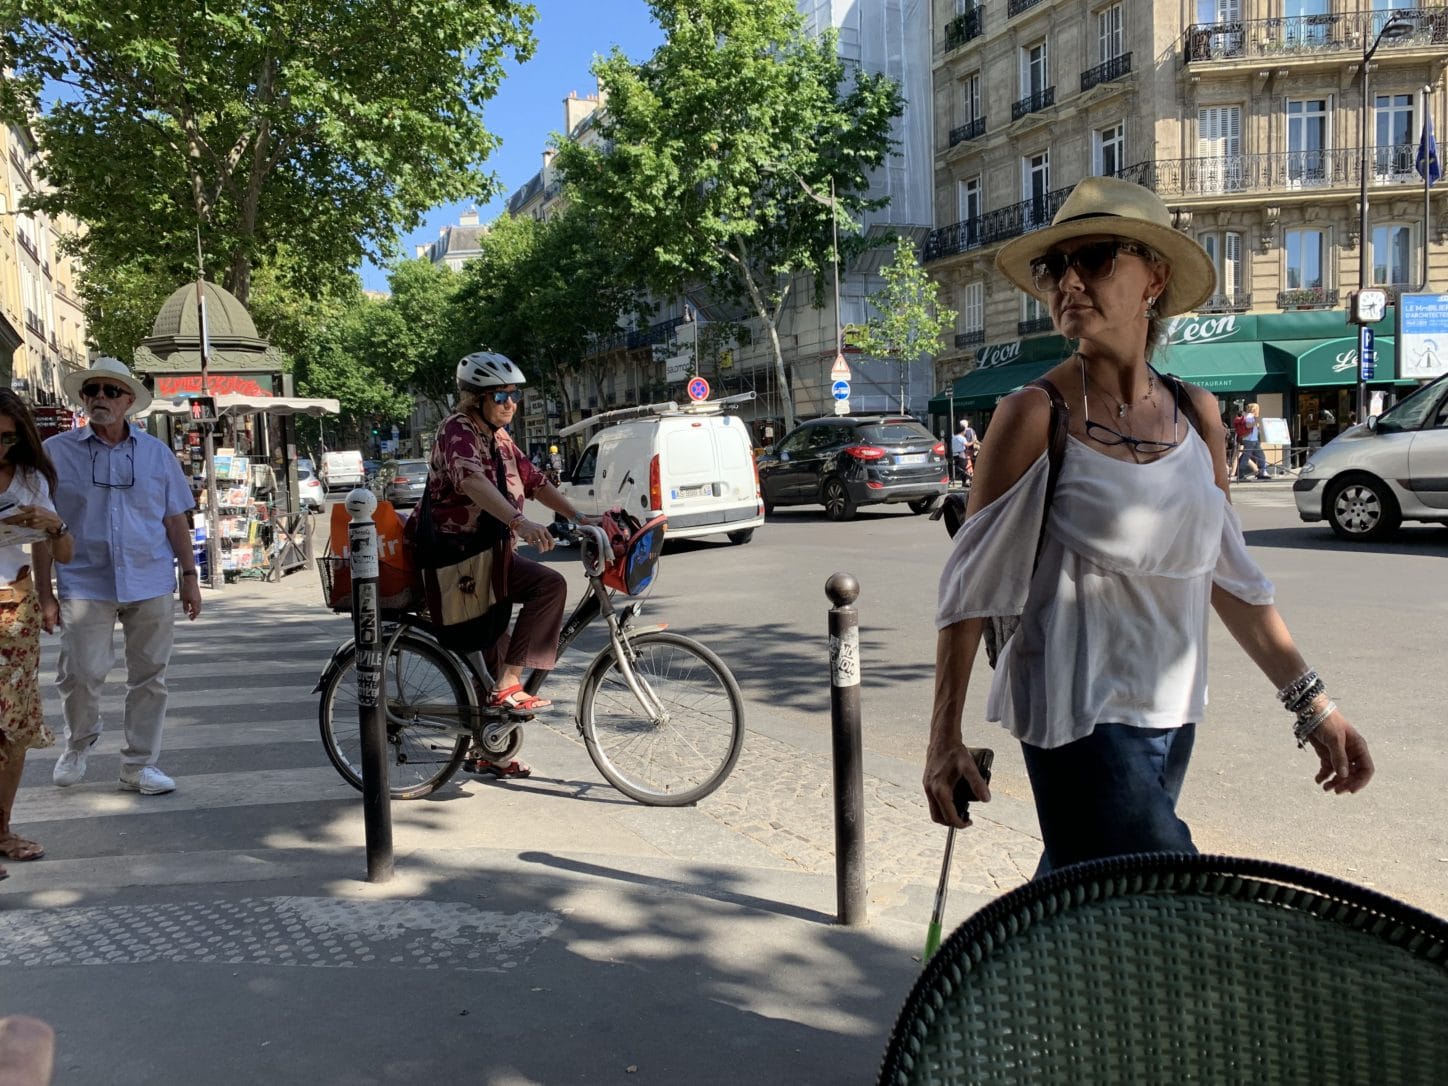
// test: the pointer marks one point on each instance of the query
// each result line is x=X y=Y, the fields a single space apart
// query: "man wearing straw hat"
x=125 y=499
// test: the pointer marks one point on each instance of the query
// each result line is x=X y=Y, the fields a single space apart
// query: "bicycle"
x=661 y=716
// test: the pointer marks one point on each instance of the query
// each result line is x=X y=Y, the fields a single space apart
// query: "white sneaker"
x=146 y=779
x=70 y=769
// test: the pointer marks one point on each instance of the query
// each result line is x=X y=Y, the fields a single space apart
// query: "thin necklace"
x=1121 y=405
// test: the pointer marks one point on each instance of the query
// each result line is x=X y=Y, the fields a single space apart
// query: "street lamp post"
x=1395 y=27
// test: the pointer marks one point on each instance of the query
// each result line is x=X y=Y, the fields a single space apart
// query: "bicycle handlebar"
x=594 y=549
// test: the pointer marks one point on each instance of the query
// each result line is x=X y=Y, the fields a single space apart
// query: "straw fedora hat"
x=111 y=370
x=1117 y=208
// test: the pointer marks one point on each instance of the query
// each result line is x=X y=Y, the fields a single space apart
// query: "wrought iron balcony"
x=1307 y=298
x=1307 y=35
x=1107 y=72
x=968 y=131
x=994 y=226
x=1015 y=7
x=975 y=338
x=1226 y=303
x=1033 y=103
x=1036 y=324
x=1277 y=171
x=964 y=27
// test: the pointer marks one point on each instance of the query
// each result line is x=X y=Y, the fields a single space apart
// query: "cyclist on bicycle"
x=477 y=471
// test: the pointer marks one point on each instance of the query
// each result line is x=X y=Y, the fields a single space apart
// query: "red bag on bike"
x=636 y=550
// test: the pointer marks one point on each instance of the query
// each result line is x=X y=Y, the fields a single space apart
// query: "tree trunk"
x=786 y=394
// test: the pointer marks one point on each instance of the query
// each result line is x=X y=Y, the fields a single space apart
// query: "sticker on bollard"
x=369 y=652
x=845 y=658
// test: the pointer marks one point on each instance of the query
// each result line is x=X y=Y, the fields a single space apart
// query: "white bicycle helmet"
x=488 y=369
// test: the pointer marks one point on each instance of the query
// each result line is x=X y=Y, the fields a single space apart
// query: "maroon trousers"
x=533 y=642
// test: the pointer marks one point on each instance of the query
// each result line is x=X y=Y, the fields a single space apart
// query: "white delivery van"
x=693 y=463
x=342 y=471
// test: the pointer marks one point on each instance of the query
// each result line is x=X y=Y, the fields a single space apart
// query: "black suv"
x=845 y=461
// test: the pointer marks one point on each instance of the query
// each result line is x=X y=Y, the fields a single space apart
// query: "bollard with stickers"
x=367 y=630
x=842 y=590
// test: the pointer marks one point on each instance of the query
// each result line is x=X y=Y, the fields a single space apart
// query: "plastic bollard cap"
x=361 y=504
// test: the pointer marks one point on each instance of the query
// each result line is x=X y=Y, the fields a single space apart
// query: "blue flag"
x=1427 y=163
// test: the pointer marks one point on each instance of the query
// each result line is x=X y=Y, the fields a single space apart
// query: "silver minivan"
x=1368 y=480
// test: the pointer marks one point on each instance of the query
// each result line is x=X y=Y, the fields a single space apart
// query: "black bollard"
x=842 y=590
x=367 y=630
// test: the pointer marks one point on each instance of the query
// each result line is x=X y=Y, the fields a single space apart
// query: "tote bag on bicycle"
x=464 y=578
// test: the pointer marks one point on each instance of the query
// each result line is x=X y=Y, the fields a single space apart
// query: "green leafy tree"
x=911 y=320
x=713 y=147
x=321 y=127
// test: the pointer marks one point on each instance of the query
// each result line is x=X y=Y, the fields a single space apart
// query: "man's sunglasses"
x=516 y=396
x=1093 y=262
x=112 y=392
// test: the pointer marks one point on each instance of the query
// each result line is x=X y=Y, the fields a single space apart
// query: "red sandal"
x=484 y=768
x=517 y=702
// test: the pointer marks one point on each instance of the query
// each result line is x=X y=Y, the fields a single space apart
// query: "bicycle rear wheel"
x=687 y=753
x=420 y=683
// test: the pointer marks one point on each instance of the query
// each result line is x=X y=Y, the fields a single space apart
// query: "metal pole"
x=1363 y=240
x=835 y=228
x=367 y=631
x=208 y=439
x=1427 y=184
x=842 y=590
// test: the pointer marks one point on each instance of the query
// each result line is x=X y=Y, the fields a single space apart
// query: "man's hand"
x=49 y=613
x=1344 y=762
x=943 y=767
x=191 y=596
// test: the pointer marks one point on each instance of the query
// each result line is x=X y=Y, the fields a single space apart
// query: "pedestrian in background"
x=27 y=479
x=1104 y=677
x=126 y=500
x=1251 y=452
x=962 y=450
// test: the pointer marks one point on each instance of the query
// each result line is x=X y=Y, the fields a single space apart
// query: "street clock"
x=1367 y=306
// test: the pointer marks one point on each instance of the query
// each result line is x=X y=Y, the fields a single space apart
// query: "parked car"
x=342 y=470
x=1369 y=479
x=845 y=461
x=313 y=496
x=409 y=479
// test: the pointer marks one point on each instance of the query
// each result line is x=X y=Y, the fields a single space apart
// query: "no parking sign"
x=698 y=389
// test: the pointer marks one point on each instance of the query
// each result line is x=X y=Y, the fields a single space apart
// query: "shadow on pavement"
x=1415 y=540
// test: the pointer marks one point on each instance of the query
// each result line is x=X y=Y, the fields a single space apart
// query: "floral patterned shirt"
x=464 y=448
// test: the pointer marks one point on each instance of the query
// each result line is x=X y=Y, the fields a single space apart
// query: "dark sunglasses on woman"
x=1094 y=262
x=516 y=396
x=10 y=438
x=111 y=392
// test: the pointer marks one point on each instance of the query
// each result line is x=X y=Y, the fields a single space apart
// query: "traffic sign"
x=840 y=390
x=1370 y=355
x=842 y=407
x=840 y=371
x=698 y=389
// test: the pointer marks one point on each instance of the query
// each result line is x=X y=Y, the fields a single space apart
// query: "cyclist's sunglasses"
x=112 y=392
x=516 y=396
x=1094 y=262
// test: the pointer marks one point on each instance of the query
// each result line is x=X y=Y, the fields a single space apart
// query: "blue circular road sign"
x=840 y=390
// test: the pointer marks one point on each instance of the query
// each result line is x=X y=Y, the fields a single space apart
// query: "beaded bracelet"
x=1307 y=697
x=1306 y=725
x=1293 y=690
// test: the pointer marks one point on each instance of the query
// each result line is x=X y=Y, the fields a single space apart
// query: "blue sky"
x=529 y=104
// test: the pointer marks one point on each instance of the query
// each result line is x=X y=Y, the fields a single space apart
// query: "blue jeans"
x=1111 y=794
x=1251 y=455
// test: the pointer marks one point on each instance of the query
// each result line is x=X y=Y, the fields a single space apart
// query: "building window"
x=1110 y=38
x=1219 y=148
x=1035 y=185
x=1305 y=250
x=1108 y=151
x=1392 y=256
x=972 y=312
x=1035 y=315
x=1394 y=146
x=967 y=197
x=1306 y=141
x=1225 y=249
x=1034 y=79
x=970 y=98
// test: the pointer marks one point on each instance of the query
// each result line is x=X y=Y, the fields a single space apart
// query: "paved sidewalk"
x=539 y=931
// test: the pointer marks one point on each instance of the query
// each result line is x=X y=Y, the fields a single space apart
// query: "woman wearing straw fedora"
x=1100 y=631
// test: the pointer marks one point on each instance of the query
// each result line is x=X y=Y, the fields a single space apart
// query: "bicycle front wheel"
x=686 y=752
x=424 y=697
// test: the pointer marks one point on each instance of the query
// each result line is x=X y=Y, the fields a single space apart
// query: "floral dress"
x=22 y=720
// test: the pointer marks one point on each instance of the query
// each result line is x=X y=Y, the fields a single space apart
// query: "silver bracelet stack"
x=1299 y=696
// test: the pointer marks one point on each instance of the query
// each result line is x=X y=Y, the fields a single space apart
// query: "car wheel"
x=837 y=501
x=1362 y=509
x=744 y=535
x=922 y=505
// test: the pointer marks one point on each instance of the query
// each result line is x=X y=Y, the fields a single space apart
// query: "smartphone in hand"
x=963 y=792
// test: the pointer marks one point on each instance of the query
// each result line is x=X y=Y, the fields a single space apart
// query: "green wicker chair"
x=1199 y=969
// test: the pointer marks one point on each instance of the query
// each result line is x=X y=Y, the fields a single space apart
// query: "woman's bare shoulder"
x=1018 y=435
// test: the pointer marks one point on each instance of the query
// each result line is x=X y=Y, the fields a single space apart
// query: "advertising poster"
x=1422 y=336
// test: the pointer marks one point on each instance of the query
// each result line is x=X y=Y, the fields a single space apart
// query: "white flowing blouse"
x=1114 y=620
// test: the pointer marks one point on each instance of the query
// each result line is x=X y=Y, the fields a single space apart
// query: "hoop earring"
x=1150 y=307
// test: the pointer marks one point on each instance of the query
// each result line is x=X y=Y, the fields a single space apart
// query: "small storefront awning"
x=1233 y=366
x=236 y=404
x=982 y=389
x=1334 y=362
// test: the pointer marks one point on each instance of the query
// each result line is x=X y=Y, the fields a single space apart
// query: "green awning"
x=982 y=389
x=1334 y=362
x=1234 y=366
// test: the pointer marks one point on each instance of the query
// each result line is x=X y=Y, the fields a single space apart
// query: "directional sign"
x=698 y=389
x=842 y=407
x=840 y=371
x=840 y=390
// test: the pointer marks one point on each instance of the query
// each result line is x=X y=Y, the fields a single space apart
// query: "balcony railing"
x=1033 y=103
x=1015 y=7
x=1106 y=72
x=975 y=338
x=1276 y=171
x=1035 y=324
x=1307 y=298
x=994 y=226
x=963 y=28
x=1226 y=303
x=968 y=131
x=1306 y=35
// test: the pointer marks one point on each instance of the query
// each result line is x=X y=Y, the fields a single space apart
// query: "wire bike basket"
x=398 y=589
